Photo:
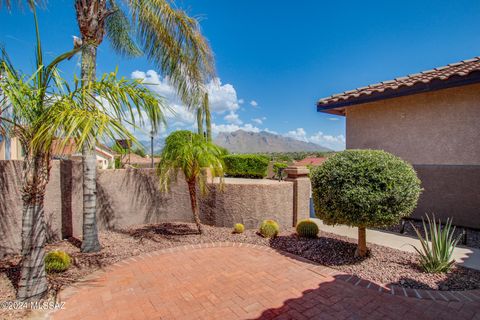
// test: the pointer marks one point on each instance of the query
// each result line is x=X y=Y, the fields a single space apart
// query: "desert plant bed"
x=472 y=235
x=383 y=265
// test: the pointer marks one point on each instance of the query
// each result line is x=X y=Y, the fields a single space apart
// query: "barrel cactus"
x=238 y=228
x=57 y=261
x=269 y=229
x=307 y=228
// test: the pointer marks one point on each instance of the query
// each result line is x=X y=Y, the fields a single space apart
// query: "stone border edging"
x=436 y=295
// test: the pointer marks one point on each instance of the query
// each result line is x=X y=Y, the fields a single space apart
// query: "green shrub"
x=246 y=166
x=269 y=229
x=238 y=228
x=57 y=261
x=364 y=188
x=307 y=228
x=437 y=246
x=278 y=169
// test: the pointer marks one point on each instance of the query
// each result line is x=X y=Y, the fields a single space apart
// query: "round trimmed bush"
x=238 y=228
x=57 y=261
x=307 y=228
x=364 y=188
x=269 y=228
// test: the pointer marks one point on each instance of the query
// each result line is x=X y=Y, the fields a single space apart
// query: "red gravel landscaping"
x=384 y=265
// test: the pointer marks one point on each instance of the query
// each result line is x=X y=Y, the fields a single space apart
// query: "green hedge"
x=246 y=166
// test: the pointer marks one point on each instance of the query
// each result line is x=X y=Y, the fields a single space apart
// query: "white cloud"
x=233 y=127
x=270 y=131
x=254 y=103
x=259 y=120
x=299 y=134
x=241 y=101
x=333 y=119
x=329 y=141
x=223 y=97
x=233 y=117
x=325 y=140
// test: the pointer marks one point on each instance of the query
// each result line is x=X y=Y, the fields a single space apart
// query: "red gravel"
x=384 y=265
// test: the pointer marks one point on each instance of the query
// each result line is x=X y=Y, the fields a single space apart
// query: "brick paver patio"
x=232 y=282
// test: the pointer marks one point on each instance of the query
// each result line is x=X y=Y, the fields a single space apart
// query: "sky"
x=276 y=58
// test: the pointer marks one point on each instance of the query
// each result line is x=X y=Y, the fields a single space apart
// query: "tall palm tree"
x=166 y=35
x=204 y=111
x=188 y=153
x=42 y=107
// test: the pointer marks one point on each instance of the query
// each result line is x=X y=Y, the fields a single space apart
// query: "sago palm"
x=39 y=109
x=190 y=154
x=167 y=36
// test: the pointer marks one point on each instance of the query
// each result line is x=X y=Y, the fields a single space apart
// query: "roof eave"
x=338 y=107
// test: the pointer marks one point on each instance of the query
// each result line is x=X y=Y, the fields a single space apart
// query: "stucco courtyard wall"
x=439 y=133
x=131 y=197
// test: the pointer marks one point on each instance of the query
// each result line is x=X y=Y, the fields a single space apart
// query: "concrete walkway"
x=465 y=256
x=239 y=282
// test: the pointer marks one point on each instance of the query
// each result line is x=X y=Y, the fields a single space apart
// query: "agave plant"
x=437 y=245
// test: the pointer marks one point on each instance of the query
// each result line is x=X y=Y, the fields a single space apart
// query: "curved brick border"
x=447 y=296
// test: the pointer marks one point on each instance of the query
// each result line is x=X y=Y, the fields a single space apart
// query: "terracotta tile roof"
x=313 y=161
x=459 y=69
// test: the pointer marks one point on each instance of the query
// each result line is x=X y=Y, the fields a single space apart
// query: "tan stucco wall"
x=439 y=127
x=439 y=133
x=129 y=197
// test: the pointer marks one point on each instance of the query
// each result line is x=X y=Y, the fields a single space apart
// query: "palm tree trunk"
x=200 y=121
x=362 y=243
x=208 y=118
x=90 y=232
x=193 y=201
x=33 y=282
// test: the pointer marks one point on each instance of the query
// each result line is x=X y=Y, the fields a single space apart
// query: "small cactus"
x=269 y=229
x=238 y=228
x=307 y=228
x=57 y=261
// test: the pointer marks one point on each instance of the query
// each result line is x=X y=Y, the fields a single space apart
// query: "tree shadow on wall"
x=10 y=177
x=146 y=193
x=106 y=214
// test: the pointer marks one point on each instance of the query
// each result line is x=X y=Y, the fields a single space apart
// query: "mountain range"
x=257 y=142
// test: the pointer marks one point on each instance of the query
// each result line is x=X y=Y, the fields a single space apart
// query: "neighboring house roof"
x=70 y=148
x=310 y=161
x=453 y=75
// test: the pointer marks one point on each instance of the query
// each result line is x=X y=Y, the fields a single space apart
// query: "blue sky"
x=275 y=59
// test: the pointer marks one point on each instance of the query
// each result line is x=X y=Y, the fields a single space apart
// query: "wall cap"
x=296 y=171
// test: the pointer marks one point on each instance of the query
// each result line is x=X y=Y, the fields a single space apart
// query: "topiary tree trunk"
x=362 y=242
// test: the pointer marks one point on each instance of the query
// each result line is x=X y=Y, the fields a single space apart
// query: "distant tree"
x=139 y=151
x=189 y=153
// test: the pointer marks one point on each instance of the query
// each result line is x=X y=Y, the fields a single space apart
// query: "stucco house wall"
x=439 y=133
x=439 y=127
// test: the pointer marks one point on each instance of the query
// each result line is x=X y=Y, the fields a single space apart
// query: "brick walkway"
x=238 y=283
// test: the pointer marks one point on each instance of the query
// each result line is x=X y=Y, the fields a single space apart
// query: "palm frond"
x=173 y=41
x=120 y=32
x=190 y=154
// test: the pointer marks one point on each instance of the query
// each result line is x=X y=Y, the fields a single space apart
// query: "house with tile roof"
x=430 y=119
x=70 y=150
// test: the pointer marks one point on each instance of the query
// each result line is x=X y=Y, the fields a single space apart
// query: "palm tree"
x=167 y=36
x=204 y=111
x=42 y=107
x=188 y=153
